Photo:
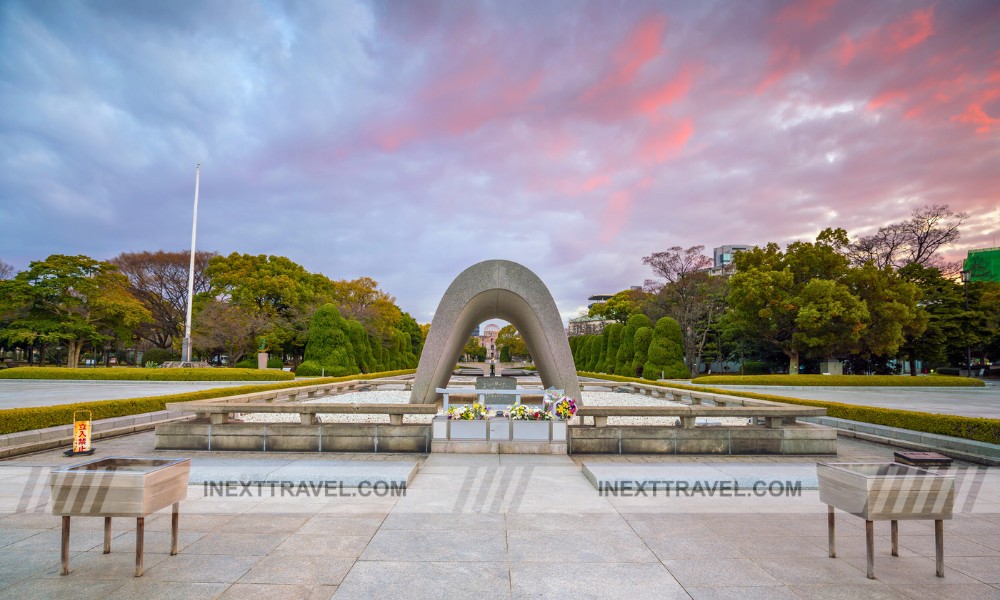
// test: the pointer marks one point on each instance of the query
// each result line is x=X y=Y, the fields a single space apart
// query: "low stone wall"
x=292 y=437
x=801 y=438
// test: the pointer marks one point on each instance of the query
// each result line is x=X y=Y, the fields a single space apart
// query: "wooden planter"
x=119 y=487
x=886 y=492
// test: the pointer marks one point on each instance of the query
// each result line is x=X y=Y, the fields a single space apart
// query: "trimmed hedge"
x=842 y=380
x=130 y=374
x=970 y=428
x=13 y=420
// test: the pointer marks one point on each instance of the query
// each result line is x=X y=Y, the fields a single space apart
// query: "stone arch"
x=499 y=289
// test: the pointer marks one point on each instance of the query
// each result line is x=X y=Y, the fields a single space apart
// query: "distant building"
x=587 y=326
x=475 y=332
x=488 y=339
x=598 y=298
x=983 y=264
x=723 y=258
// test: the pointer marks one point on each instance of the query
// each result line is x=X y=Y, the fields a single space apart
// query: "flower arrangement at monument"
x=521 y=412
x=555 y=401
x=474 y=412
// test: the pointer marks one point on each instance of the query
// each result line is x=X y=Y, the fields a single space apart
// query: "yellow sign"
x=81 y=432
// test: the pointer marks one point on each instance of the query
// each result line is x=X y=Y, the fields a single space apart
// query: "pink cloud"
x=664 y=145
x=616 y=215
x=912 y=30
x=805 y=13
x=642 y=45
x=668 y=93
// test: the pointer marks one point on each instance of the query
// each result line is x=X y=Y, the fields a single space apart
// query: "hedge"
x=131 y=374
x=842 y=380
x=970 y=428
x=13 y=420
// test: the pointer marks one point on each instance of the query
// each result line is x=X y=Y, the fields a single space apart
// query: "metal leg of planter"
x=64 y=550
x=939 y=546
x=894 y=530
x=174 y=518
x=107 y=535
x=140 y=526
x=870 y=547
x=831 y=529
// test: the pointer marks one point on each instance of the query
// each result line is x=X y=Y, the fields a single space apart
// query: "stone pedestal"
x=262 y=360
x=496 y=383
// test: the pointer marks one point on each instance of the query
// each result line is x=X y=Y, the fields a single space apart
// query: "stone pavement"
x=509 y=526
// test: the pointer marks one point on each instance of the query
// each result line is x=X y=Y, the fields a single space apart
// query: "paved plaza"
x=488 y=526
x=971 y=402
x=22 y=393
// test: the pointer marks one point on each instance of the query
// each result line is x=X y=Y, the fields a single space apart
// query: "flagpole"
x=186 y=344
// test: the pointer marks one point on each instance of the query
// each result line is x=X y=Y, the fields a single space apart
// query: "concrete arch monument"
x=498 y=289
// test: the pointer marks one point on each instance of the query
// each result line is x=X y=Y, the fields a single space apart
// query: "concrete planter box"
x=532 y=431
x=559 y=431
x=500 y=429
x=468 y=430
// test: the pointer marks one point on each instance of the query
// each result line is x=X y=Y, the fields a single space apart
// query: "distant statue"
x=493 y=367
x=262 y=344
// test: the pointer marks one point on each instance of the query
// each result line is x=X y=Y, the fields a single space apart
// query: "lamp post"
x=966 y=276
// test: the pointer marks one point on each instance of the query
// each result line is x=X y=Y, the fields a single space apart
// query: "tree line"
x=63 y=305
x=876 y=303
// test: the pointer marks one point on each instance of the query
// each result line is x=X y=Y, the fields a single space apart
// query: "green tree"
x=665 y=353
x=71 y=300
x=226 y=328
x=626 y=350
x=510 y=343
x=620 y=307
x=895 y=315
x=643 y=337
x=473 y=350
x=329 y=349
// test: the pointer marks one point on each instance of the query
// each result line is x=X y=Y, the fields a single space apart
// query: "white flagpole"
x=186 y=344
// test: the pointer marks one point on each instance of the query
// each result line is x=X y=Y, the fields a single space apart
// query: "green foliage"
x=626 y=350
x=619 y=307
x=329 y=344
x=755 y=367
x=970 y=428
x=842 y=380
x=161 y=355
x=643 y=337
x=602 y=357
x=25 y=419
x=614 y=344
x=128 y=374
x=665 y=353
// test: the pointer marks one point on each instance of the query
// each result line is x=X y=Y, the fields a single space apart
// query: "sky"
x=406 y=140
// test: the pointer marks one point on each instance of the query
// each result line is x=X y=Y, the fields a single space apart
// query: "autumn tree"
x=221 y=327
x=70 y=300
x=160 y=280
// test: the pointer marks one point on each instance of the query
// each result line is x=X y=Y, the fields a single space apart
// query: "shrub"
x=643 y=337
x=13 y=420
x=626 y=351
x=129 y=374
x=329 y=343
x=842 y=380
x=159 y=355
x=970 y=428
x=755 y=367
x=666 y=355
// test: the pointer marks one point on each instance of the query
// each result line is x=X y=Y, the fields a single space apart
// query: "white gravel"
x=402 y=397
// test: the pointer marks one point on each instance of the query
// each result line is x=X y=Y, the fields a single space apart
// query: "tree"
x=329 y=349
x=665 y=354
x=626 y=350
x=620 y=306
x=160 y=280
x=6 y=270
x=614 y=331
x=942 y=301
x=225 y=328
x=916 y=240
x=689 y=295
x=510 y=343
x=70 y=300
x=786 y=298
x=643 y=337
x=473 y=350
x=895 y=315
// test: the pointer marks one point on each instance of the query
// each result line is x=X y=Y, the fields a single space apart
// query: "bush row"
x=970 y=428
x=635 y=349
x=13 y=420
x=129 y=374
x=842 y=380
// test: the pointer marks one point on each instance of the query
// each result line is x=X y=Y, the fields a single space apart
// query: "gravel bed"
x=402 y=397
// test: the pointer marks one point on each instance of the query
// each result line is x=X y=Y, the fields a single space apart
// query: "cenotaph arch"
x=499 y=289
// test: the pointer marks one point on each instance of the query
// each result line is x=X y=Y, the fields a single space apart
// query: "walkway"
x=19 y=393
x=489 y=526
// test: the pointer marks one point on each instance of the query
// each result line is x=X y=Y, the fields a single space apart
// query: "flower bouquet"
x=474 y=412
x=558 y=403
x=521 y=412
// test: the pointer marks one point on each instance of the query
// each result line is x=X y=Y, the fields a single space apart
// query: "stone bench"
x=773 y=415
x=221 y=413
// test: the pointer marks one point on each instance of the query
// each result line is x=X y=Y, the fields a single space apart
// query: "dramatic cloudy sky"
x=407 y=140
